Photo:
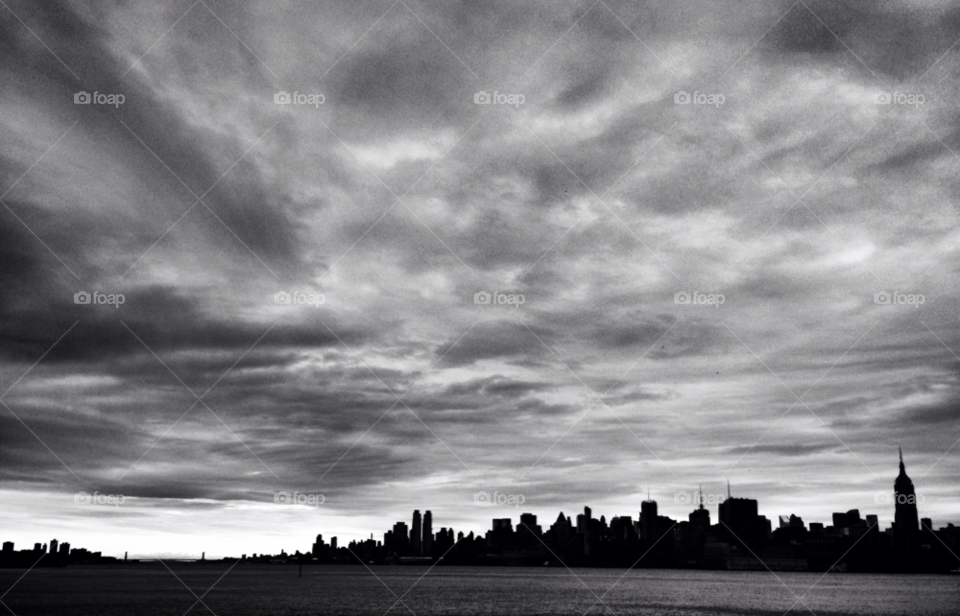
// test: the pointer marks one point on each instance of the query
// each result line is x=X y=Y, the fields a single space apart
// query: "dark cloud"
x=498 y=339
x=817 y=29
x=303 y=199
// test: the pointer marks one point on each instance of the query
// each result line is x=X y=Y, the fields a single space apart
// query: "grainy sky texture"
x=787 y=183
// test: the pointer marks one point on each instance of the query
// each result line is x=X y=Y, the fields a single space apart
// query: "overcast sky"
x=783 y=184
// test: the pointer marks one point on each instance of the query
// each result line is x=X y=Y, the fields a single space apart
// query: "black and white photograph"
x=480 y=307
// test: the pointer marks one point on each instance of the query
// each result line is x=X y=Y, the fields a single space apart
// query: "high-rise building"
x=700 y=517
x=501 y=533
x=529 y=522
x=503 y=523
x=739 y=520
x=906 y=520
x=415 y=533
x=621 y=527
x=427 y=533
x=561 y=529
x=855 y=521
x=53 y=546
x=765 y=527
x=583 y=521
x=8 y=546
x=648 y=520
x=444 y=540
x=401 y=538
x=528 y=529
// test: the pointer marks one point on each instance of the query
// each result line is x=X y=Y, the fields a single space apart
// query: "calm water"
x=262 y=590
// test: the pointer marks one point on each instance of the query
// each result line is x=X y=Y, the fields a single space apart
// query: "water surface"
x=264 y=590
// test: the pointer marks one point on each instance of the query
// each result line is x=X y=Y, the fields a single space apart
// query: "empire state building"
x=906 y=520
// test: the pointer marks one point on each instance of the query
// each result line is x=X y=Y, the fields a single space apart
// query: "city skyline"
x=903 y=500
x=268 y=269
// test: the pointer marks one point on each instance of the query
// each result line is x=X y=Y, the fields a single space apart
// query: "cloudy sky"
x=798 y=159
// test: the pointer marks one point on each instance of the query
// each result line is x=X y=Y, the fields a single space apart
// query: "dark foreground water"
x=262 y=590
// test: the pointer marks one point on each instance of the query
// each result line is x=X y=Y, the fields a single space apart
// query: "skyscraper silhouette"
x=583 y=520
x=906 y=521
x=427 y=533
x=648 y=519
x=415 y=533
x=740 y=521
x=400 y=539
x=700 y=517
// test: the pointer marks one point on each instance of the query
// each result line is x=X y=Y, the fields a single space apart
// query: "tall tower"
x=906 y=520
x=648 y=519
x=415 y=533
x=427 y=534
x=700 y=516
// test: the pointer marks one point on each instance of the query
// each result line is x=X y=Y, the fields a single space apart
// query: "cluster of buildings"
x=742 y=539
x=55 y=554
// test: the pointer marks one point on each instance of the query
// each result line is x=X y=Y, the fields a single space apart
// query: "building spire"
x=728 y=487
x=903 y=470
